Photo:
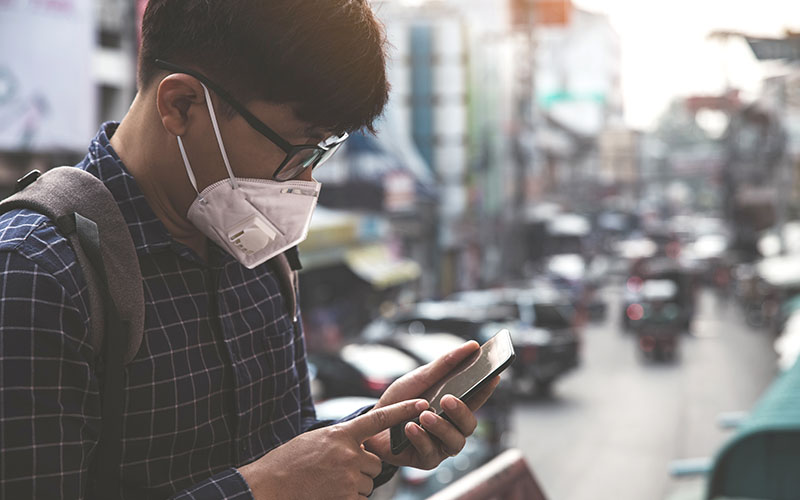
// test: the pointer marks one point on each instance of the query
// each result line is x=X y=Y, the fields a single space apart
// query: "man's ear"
x=175 y=97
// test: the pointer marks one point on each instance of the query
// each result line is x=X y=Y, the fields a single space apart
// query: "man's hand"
x=437 y=438
x=331 y=462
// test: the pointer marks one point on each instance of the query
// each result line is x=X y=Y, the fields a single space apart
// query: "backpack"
x=86 y=213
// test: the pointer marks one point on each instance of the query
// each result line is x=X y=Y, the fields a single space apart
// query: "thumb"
x=376 y=420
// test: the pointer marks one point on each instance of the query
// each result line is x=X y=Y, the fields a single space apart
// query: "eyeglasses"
x=299 y=157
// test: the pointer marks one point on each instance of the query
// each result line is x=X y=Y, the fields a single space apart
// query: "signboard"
x=541 y=12
x=47 y=96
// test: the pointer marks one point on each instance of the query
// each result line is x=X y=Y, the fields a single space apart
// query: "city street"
x=304 y=201
x=613 y=426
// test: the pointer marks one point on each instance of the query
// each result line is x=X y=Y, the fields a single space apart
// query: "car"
x=538 y=305
x=580 y=280
x=358 y=369
x=787 y=345
x=657 y=319
x=661 y=268
x=543 y=354
x=779 y=277
x=549 y=320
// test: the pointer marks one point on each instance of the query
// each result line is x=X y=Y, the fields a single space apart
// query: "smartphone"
x=494 y=356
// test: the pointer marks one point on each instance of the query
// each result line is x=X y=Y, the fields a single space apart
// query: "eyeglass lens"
x=302 y=159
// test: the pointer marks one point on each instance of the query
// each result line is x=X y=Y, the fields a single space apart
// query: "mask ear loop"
x=234 y=184
x=189 y=169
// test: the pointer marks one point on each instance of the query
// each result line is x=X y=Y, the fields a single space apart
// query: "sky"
x=666 y=51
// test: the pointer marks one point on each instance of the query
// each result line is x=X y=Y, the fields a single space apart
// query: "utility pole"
x=525 y=119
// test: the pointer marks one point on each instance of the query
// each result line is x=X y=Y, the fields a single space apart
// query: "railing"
x=506 y=477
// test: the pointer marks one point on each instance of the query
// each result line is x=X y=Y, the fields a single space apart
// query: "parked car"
x=540 y=305
x=539 y=309
x=580 y=280
x=787 y=345
x=779 y=277
x=542 y=354
x=358 y=369
x=787 y=309
x=754 y=295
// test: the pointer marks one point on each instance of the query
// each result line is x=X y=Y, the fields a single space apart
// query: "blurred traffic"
x=649 y=274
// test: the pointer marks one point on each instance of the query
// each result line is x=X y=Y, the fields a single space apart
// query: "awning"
x=331 y=228
x=331 y=234
x=375 y=265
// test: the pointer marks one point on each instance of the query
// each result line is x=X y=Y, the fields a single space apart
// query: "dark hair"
x=326 y=58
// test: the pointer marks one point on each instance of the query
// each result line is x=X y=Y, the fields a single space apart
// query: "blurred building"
x=763 y=143
x=451 y=70
x=53 y=94
x=782 y=93
x=578 y=94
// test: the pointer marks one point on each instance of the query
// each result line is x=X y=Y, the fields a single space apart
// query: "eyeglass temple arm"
x=247 y=115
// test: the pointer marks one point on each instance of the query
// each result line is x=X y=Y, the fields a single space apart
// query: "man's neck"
x=147 y=158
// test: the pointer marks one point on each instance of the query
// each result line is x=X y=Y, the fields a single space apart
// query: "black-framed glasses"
x=299 y=157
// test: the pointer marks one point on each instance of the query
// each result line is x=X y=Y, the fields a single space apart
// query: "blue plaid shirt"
x=220 y=378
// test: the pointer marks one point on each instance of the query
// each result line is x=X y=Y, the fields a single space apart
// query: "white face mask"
x=252 y=219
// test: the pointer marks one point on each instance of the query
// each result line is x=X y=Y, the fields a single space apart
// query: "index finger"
x=374 y=421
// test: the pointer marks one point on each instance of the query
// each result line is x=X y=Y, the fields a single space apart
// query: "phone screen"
x=493 y=357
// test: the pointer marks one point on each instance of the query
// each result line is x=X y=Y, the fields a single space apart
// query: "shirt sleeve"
x=49 y=397
x=225 y=485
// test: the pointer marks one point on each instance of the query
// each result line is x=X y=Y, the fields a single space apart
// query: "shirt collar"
x=148 y=232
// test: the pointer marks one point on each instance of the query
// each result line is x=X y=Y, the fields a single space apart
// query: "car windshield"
x=430 y=346
x=550 y=316
x=378 y=361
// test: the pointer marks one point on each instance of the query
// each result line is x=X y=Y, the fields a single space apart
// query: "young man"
x=212 y=169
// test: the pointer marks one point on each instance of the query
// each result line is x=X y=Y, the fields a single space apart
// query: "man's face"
x=250 y=153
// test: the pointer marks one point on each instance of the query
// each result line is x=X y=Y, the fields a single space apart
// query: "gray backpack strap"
x=287 y=278
x=58 y=194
